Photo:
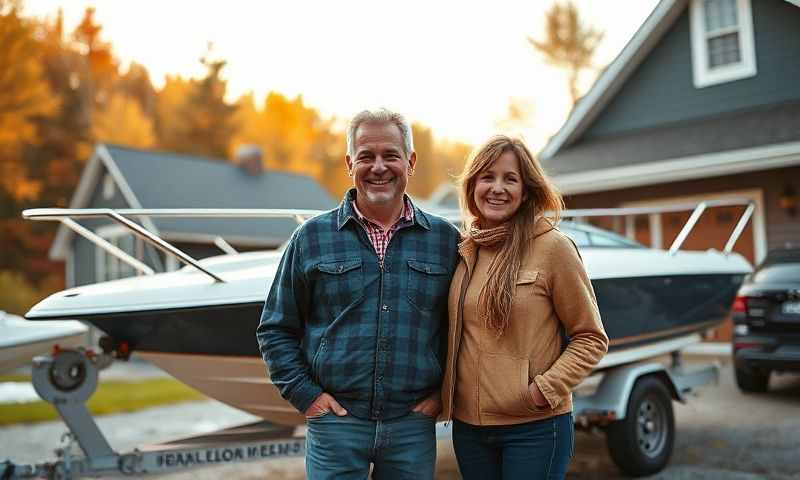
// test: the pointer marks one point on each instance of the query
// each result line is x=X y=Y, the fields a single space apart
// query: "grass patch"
x=110 y=397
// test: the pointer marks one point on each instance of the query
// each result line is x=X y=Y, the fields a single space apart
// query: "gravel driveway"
x=722 y=434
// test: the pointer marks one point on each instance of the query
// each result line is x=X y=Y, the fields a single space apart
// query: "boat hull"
x=242 y=382
x=21 y=340
x=635 y=312
x=203 y=332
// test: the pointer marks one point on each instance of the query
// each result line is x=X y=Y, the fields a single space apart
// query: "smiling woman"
x=521 y=303
x=499 y=190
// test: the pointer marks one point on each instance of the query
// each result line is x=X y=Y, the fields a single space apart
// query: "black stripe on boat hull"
x=635 y=312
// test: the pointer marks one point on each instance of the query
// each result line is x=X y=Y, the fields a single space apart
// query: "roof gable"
x=654 y=71
x=99 y=163
x=167 y=180
x=613 y=77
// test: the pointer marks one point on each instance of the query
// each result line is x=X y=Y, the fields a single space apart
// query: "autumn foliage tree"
x=98 y=59
x=122 y=121
x=25 y=98
x=62 y=93
x=568 y=43
x=167 y=119
x=293 y=137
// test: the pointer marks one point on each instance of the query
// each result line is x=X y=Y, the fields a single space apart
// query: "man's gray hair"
x=381 y=115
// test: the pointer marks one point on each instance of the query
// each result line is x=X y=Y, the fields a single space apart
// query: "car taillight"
x=739 y=305
x=742 y=345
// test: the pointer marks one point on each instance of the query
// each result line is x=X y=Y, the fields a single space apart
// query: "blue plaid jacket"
x=335 y=321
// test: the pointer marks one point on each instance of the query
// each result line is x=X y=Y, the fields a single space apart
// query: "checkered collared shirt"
x=377 y=236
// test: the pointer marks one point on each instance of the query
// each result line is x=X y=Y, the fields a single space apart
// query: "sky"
x=451 y=65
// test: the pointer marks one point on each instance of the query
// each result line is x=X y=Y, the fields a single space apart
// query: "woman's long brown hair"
x=540 y=197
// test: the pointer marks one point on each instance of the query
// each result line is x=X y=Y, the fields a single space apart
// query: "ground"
x=722 y=434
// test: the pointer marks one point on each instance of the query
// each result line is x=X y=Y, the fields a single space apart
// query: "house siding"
x=781 y=229
x=661 y=90
x=84 y=250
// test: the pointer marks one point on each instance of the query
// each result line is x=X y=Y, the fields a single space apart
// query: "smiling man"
x=353 y=328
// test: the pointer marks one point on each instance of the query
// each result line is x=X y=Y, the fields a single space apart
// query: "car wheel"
x=751 y=381
x=641 y=443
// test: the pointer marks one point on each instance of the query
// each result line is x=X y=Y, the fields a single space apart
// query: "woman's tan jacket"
x=552 y=290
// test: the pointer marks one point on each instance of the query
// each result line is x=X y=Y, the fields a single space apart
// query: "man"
x=353 y=328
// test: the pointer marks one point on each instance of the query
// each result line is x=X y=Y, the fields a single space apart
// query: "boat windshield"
x=588 y=236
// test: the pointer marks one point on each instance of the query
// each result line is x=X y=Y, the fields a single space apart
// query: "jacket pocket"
x=527 y=277
x=340 y=284
x=504 y=385
x=315 y=361
x=427 y=284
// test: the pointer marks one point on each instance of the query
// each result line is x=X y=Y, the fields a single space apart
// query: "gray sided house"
x=703 y=102
x=119 y=177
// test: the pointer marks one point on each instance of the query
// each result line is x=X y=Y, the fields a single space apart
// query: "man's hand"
x=537 y=396
x=431 y=406
x=323 y=404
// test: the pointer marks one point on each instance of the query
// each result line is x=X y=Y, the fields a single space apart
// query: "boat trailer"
x=631 y=403
x=69 y=377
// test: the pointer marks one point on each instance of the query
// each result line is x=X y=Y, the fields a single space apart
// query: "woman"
x=524 y=324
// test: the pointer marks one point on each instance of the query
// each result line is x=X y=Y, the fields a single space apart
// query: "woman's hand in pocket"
x=536 y=394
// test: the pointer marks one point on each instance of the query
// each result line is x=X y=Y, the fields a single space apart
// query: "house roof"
x=150 y=179
x=614 y=76
x=652 y=155
x=767 y=125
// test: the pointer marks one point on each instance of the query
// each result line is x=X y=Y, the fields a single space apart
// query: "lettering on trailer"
x=194 y=458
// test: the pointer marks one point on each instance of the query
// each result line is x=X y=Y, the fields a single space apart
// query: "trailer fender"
x=610 y=400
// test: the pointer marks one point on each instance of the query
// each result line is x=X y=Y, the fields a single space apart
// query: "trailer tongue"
x=69 y=377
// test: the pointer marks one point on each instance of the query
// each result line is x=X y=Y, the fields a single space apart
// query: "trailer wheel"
x=751 y=381
x=641 y=443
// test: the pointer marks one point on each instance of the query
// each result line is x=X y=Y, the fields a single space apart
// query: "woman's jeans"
x=344 y=447
x=535 y=450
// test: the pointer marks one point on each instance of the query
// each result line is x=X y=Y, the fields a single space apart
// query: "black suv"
x=766 y=317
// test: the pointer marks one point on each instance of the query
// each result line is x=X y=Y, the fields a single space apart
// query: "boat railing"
x=68 y=217
x=697 y=210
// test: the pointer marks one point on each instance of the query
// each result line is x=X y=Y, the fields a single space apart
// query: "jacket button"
x=385 y=308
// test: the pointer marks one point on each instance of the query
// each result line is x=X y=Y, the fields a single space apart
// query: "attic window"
x=723 y=49
x=108 y=187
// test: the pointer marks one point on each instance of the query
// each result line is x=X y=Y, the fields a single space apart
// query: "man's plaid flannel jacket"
x=335 y=321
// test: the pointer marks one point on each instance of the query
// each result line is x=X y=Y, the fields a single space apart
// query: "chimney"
x=249 y=158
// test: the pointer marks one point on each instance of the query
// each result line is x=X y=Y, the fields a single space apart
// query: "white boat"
x=198 y=323
x=21 y=340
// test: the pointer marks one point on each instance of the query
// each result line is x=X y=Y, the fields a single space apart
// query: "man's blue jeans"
x=344 y=447
x=540 y=449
